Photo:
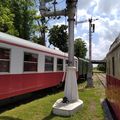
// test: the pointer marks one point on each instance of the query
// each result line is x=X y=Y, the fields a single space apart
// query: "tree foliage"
x=17 y=17
x=101 y=67
x=80 y=48
x=38 y=40
x=6 y=18
x=23 y=17
x=40 y=27
x=58 y=37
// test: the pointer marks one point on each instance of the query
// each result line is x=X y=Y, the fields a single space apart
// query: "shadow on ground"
x=27 y=99
x=8 y=118
x=51 y=116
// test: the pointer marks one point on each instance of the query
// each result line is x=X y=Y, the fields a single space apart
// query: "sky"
x=107 y=27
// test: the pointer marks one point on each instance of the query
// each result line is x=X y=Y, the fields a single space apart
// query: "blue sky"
x=107 y=27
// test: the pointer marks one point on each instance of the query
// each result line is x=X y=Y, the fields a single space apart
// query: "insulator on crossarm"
x=93 y=27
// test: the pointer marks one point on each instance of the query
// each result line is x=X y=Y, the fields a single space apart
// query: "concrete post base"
x=71 y=88
x=66 y=109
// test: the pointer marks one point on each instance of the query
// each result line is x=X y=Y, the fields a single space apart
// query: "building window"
x=30 y=62
x=4 y=60
x=59 y=64
x=49 y=63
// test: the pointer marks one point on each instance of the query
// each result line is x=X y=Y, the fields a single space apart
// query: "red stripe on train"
x=113 y=94
x=16 y=84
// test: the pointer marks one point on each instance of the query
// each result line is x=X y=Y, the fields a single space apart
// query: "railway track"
x=102 y=78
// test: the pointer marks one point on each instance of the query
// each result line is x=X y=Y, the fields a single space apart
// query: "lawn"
x=40 y=109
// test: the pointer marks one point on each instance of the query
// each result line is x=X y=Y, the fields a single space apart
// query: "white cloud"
x=107 y=27
x=106 y=7
x=56 y=22
x=99 y=50
x=83 y=4
x=82 y=14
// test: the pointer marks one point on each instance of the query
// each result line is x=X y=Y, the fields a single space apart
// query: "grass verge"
x=40 y=109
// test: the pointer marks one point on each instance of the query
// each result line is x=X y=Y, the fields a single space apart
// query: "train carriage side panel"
x=113 y=79
x=79 y=67
x=18 y=82
x=16 y=58
x=82 y=68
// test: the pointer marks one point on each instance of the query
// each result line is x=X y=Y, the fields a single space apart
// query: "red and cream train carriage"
x=113 y=77
x=26 y=67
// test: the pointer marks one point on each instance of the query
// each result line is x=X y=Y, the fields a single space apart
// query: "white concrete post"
x=71 y=89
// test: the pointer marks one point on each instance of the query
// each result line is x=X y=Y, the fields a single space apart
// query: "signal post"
x=89 y=75
x=70 y=103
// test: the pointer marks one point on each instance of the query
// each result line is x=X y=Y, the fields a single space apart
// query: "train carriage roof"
x=115 y=44
x=82 y=59
x=9 y=39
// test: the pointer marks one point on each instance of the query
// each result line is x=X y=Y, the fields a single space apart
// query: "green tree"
x=80 y=48
x=40 y=28
x=38 y=40
x=7 y=18
x=101 y=67
x=58 y=37
x=23 y=17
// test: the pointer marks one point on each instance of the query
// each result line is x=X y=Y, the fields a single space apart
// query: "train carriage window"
x=75 y=63
x=113 y=66
x=4 y=60
x=49 y=63
x=59 y=64
x=66 y=64
x=109 y=67
x=30 y=62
